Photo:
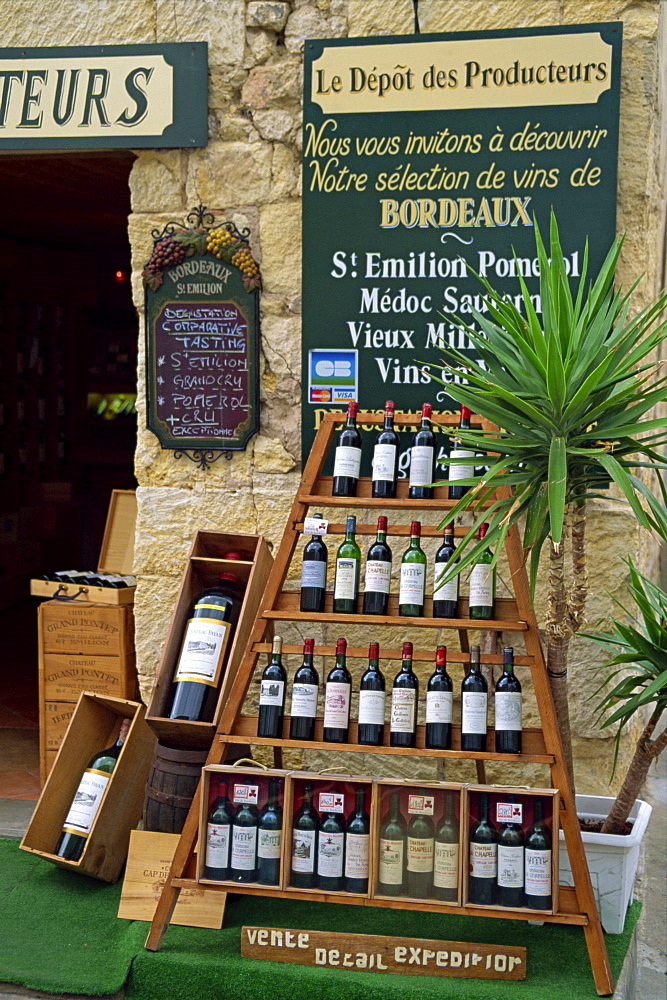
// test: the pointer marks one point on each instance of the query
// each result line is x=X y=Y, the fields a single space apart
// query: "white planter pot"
x=612 y=860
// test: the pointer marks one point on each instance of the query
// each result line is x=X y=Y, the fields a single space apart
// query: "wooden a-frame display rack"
x=576 y=903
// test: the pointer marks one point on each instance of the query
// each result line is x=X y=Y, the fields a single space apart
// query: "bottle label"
x=336 y=705
x=481 y=586
x=420 y=854
x=244 y=847
x=269 y=843
x=421 y=465
x=538 y=872
x=510 y=867
x=460 y=471
x=371 y=708
x=378 y=576
x=439 y=706
x=313 y=574
x=345 y=587
x=444 y=591
x=86 y=802
x=304 y=700
x=403 y=705
x=509 y=812
x=347 y=462
x=384 y=462
x=203 y=650
x=356 y=855
x=217 y=845
x=272 y=692
x=508 y=710
x=390 y=862
x=473 y=715
x=333 y=802
x=248 y=794
x=446 y=865
x=413 y=580
x=315 y=526
x=330 y=853
x=483 y=860
x=421 y=805
x=303 y=850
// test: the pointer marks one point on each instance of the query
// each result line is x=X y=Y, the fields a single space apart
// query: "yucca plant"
x=570 y=385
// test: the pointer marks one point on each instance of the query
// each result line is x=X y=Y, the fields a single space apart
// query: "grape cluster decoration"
x=171 y=249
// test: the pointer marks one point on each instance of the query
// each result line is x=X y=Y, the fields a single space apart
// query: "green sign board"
x=426 y=158
x=104 y=96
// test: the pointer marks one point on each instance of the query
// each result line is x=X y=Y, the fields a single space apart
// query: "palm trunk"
x=558 y=640
x=645 y=753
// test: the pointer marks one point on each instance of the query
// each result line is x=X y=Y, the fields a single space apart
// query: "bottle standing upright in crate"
x=304 y=842
x=439 y=705
x=385 y=457
x=206 y=644
x=372 y=697
x=314 y=574
x=331 y=842
x=391 y=849
x=269 y=837
x=304 y=696
x=347 y=457
x=243 y=854
x=474 y=705
x=88 y=799
x=445 y=595
x=446 y=853
x=357 y=838
x=337 y=694
x=272 y=690
x=538 y=861
x=404 y=701
x=348 y=563
x=218 y=836
x=377 y=579
x=507 y=701
x=511 y=858
x=412 y=584
x=422 y=458
x=482 y=885
x=421 y=846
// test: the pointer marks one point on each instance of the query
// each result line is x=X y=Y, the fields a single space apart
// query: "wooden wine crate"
x=202 y=569
x=498 y=795
x=93 y=727
x=411 y=803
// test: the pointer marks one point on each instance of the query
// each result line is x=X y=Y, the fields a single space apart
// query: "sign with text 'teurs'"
x=104 y=96
x=426 y=158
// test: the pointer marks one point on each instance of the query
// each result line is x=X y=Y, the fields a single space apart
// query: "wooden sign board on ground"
x=376 y=953
x=148 y=864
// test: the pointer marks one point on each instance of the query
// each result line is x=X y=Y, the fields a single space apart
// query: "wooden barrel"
x=172 y=783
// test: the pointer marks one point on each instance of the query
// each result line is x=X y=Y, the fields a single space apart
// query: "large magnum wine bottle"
x=207 y=639
x=269 y=837
x=421 y=845
x=347 y=458
x=304 y=696
x=538 y=861
x=331 y=849
x=404 y=701
x=218 y=835
x=439 y=705
x=445 y=595
x=314 y=573
x=304 y=842
x=446 y=854
x=348 y=563
x=392 y=855
x=474 y=705
x=272 y=690
x=413 y=576
x=243 y=855
x=378 y=573
x=88 y=799
x=482 y=583
x=357 y=839
x=510 y=861
x=422 y=458
x=483 y=856
x=385 y=457
x=372 y=696
x=337 y=699
x=464 y=466
x=507 y=702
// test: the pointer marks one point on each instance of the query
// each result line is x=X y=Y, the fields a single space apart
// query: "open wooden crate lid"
x=117 y=552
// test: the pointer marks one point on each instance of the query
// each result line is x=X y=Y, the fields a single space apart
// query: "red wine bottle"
x=385 y=457
x=357 y=839
x=538 y=861
x=304 y=696
x=337 y=699
x=482 y=583
x=314 y=574
x=404 y=701
x=207 y=639
x=439 y=704
x=421 y=847
x=445 y=595
x=507 y=702
x=483 y=857
x=272 y=690
x=269 y=837
x=304 y=842
x=372 y=698
x=347 y=458
x=218 y=836
x=378 y=573
x=474 y=705
x=243 y=853
x=422 y=458
x=510 y=862
x=88 y=799
x=331 y=849
x=464 y=466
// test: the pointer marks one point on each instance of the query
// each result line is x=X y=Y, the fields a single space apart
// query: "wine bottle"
x=446 y=854
x=421 y=846
x=507 y=702
x=462 y=468
x=269 y=837
x=272 y=691
x=348 y=561
x=218 y=829
x=413 y=576
x=88 y=799
x=207 y=638
x=378 y=573
x=331 y=850
x=243 y=855
x=372 y=696
x=357 y=838
x=510 y=861
x=347 y=458
x=385 y=457
x=314 y=574
x=404 y=701
x=337 y=699
x=304 y=696
x=439 y=705
x=538 y=861
x=392 y=855
x=483 y=856
x=445 y=595
x=422 y=458
x=482 y=583
x=474 y=705
x=304 y=842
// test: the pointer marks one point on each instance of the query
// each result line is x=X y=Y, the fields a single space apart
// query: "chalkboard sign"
x=202 y=349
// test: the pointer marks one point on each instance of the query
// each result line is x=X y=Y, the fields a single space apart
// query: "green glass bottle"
x=413 y=576
x=446 y=855
x=538 y=861
x=348 y=563
x=482 y=583
x=391 y=860
x=421 y=846
x=218 y=831
x=269 y=837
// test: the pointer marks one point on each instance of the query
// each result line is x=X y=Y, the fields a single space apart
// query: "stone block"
x=273 y=126
x=220 y=23
x=260 y=46
x=280 y=235
x=284 y=173
x=451 y=15
x=68 y=22
x=640 y=19
x=310 y=22
x=224 y=86
x=153 y=607
x=277 y=84
x=281 y=343
x=270 y=456
x=156 y=181
x=229 y=173
x=271 y=14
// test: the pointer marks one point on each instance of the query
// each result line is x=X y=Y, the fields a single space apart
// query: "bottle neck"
x=538 y=811
x=307 y=660
x=381 y=536
x=341 y=661
x=351 y=420
x=406 y=667
x=508 y=668
x=361 y=798
x=389 y=421
x=414 y=541
x=394 y=806
x=272 y=801
x=373 y=664
x=449 y=807
x=276 y=660
x=449 y=540
x=484 y=807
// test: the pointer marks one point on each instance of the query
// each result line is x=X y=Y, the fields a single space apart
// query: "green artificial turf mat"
x=59 y=932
